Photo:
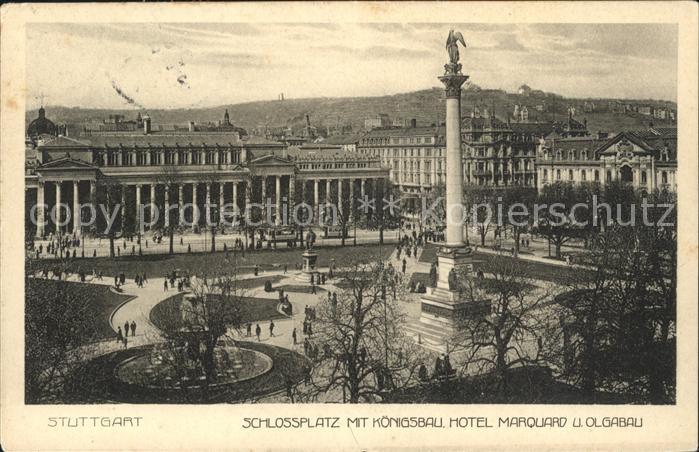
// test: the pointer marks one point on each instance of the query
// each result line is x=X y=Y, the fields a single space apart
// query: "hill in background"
x=426 y=106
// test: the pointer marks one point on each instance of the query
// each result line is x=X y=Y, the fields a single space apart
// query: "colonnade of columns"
x=64 y=218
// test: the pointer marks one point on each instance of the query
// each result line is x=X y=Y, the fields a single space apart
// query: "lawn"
x=252 y=310
x=158 y=265
x=101 y=301
x=531 y=269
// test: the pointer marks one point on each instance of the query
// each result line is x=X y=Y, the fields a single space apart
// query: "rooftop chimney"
x=146 y=125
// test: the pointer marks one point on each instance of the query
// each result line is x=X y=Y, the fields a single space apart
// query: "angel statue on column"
x=452 y=45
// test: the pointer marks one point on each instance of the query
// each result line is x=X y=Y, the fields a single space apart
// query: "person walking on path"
x=404 y=265
x=120 y=335
x=271 y=328
x=133 y=328
x=126 y=341
x=126 y=328
x=293 y=335
x=165 y=285
x=248 y=329
x=258 y=330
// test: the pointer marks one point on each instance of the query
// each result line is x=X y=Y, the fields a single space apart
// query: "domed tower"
x=41 y=126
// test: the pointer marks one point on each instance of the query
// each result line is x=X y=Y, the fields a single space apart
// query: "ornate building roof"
x=41 y=125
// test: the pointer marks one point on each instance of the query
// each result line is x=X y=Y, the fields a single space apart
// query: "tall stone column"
x=248 y=189
x=339 y=200
x=139 y=220
x=291 y=200
x=152 y=201
x=166 y=205
x=278 y=200
x=455 y=183
x=235 y=196
x=264 y=196
x=180 y=203
x=207 y=208
x=352 y=201
x=195 y=210
x=221 y=201
x=76 y=207
x=40 y=209
x=123 y=208
x=58 y=208
x=316 y=206
x=443 y=306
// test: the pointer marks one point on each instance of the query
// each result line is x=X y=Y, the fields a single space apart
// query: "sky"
x=175 y=65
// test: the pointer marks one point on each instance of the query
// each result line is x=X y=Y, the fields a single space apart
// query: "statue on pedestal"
x=453 y=40
x=452 y=279
x=310 y=240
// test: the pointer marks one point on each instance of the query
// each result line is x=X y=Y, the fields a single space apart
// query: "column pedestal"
x=310 y=258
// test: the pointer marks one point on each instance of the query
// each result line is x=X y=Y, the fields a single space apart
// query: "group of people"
x=122 y=336
x=258 y=330
x=442 y=369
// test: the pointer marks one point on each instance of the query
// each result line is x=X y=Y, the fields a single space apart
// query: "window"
x=570 y=174
x=559 y=155
x=596 y=175
x=644 y=178
x=663 y=176
x=558 y=174
x=546 y=175
x=583 y=175
x=609 y=176
x=571 y=155
x=583 y=155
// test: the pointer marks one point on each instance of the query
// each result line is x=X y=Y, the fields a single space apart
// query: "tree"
x=518 y=206
x=365 y=353
x=199 y=328
x=512 y=332
x=169 y=177
x=108 y=195
x=560 y=221
x=59 y=334
x=481 y=200
x=619 y=320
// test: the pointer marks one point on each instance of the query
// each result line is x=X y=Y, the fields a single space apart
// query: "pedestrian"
x=144 y=277
x=126 y=328
x=310 y=329
x=404 y=265
x=293 y=335
x=248 y=329
x=285 y=268
x=165 y=285
x=120 y=335
x=126 y=341
x=258 y=330
x=313 y=288
x=133 y=328
x=271 y=328
x=438 y=369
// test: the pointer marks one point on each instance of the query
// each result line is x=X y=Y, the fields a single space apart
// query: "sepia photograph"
x=350 y=212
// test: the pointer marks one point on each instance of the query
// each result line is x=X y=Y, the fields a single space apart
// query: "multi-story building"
x=179 y=169
x=495 y=152
x=647 y=160
x=379 y=121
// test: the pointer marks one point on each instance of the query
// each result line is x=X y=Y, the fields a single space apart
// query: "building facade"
x=171 y=170
x=495 y=152
x=647 y=160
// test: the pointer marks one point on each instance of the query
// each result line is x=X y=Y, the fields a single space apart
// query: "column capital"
x=452 y=84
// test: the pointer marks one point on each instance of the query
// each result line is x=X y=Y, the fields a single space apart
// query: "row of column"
x=41 y=207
